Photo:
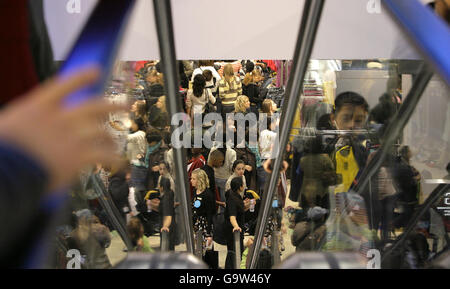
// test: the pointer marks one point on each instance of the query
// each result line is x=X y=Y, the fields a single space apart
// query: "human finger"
x=94 y=109
x=55 y=89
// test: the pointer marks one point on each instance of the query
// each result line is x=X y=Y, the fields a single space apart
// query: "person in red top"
x=196 y=161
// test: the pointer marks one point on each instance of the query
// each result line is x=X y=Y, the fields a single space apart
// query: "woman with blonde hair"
x=155 y=86
x=242 y=105
x=269 y=107
x=158 y=116
x=203 y=207
x=230 y=88
x=251 y=87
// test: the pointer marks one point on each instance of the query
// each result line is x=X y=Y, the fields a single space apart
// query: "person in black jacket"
x=167 y=211
x=234 y=218
x=203 y=207
x=119 y=190
x=251 y=88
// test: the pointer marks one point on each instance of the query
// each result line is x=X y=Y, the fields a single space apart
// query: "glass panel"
x=343 y=118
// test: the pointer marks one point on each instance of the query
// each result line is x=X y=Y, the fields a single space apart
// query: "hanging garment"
x=347 y=166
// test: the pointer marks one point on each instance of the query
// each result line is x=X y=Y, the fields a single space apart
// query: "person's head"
x=199 y=85
x=137 y=124
x=228 y=73
x=202 y=63
x=324 y=122
x=268 y=106
x=249 y=66
x=207 y=74
x=237 y=185
x=405 y=153
x=442 y=8
x=257 y=76
x=350 y=111
x=448 y=168
x=161 y=103
x=196 y=152
x=135 y=230
x=216 y=159
x=384 y=111
x=242 y=104
x=163 y=168
x=153 y=137
x=164 y=185
x=238 y=167
x=313 y=145
x=154 y=77
x=139 y=107
x=199 y=180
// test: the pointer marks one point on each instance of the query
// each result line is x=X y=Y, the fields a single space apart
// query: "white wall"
x=239 y=29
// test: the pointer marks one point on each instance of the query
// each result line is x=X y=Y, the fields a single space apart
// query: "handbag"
x=209 y=107
x=220 y=236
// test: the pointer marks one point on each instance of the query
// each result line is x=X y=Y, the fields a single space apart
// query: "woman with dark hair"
x=198 y=96
x=238 y=170
x=167 y=210
x=234 y=218
x=139 y=110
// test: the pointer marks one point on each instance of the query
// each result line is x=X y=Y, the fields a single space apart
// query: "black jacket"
x=252 y=91
x=118 y=188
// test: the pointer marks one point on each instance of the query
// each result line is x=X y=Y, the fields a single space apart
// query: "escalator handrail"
x=431 y=34
x=105 y=200
x=434 y=196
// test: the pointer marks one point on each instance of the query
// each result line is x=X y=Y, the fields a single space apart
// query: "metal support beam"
x=310 y=22
x=164 y=27
x=237 y=249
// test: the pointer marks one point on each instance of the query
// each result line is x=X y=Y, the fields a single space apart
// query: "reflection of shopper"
x=408 y=180
x=91 y=238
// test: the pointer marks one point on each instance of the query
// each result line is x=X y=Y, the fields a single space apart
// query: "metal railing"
x=237 y=249
x=164 y=27
x=310 y=22
x=165 y=241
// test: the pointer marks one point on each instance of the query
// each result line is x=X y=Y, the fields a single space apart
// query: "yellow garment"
x=347 y=166
x=149 y=193
x=328 y=92
x=254 y=194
